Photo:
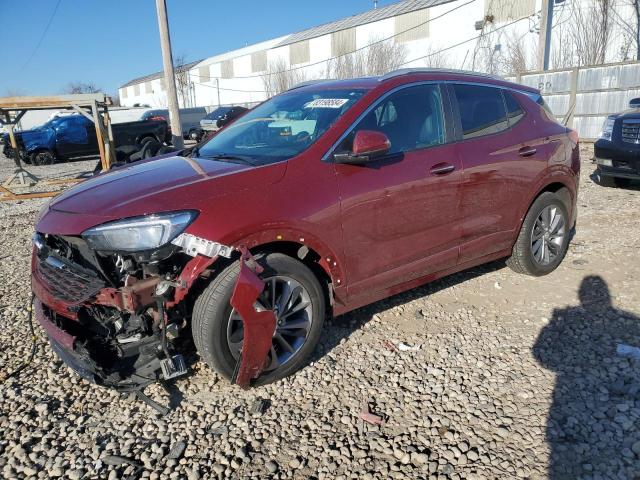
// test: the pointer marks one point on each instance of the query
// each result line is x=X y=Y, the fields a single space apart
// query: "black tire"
x=522 y=259
x=42 y=157
x=150 y=148
x=212 y=312
x=146 y=140
x=193 y=134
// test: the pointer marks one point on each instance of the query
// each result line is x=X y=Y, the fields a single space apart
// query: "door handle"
x=527 y=151
x=442 y=168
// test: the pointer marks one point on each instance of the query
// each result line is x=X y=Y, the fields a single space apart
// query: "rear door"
x=400 y=213
x=498 y=166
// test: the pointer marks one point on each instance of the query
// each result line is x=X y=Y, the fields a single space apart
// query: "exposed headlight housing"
x=607 y=128
x=138 y=234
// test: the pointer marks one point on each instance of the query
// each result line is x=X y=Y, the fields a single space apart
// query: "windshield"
x=280 y=128
x=53 y=123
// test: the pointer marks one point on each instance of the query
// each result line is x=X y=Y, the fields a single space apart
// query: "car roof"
x=416 y=74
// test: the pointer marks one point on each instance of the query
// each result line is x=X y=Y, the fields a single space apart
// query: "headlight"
x=607 y=128
x=138 y=233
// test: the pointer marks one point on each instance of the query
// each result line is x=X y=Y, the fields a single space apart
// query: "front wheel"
x=42 y=157
x=544 y=237
x=291 y=291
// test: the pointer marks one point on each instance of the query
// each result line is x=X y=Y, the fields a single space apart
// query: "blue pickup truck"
x=70 y=136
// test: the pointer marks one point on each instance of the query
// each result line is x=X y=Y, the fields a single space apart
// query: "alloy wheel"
x=291 y=304
x=547 y=235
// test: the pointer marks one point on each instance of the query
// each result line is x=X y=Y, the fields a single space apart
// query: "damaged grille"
x=67 y=281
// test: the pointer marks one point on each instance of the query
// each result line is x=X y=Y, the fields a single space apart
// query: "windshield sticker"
x=326 y=103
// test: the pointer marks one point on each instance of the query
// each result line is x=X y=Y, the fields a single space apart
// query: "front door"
x=400 y=212
x=71 y=136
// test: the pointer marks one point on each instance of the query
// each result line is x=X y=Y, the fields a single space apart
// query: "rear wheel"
x=291 y=291
x=42 y=157
x=544 y=237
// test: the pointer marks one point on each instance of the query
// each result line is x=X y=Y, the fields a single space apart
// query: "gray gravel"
x=507 y=377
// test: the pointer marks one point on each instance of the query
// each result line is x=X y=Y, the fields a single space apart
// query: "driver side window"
x=411 y=118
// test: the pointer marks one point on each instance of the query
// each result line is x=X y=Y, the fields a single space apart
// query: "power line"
x=402 y=64
x=463 y=42
x=347 y=53
x=44 y=33
x=229 y=89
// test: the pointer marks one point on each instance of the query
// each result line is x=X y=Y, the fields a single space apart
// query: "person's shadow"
x=593 y=428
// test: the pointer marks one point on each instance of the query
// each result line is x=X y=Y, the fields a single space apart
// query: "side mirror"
x=367 y=145
x=635 y=103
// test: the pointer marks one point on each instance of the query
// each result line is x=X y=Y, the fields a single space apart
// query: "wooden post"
x=573 y=96
x=99 y=137
x=111 y=157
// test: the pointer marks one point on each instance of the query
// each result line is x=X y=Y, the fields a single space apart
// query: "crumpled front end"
x=121 y=320
x=113 y=318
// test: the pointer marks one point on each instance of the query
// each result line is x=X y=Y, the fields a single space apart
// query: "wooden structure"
x=93 y=106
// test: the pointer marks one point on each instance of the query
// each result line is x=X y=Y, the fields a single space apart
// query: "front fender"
x=42 y=139
x=330 y=261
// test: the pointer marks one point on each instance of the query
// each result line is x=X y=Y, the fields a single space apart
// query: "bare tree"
x=377 y=58
x=435 y=58
x=590 y=31
x=630 y=28
x=281 y=77
x=81 y=87
x=115 y=99
x=563 y=51
x=515 y=57
x=183 y=82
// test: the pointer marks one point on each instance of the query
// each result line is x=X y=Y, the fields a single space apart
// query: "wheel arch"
x=308 y=256
x=142 y=136
x=559 y=187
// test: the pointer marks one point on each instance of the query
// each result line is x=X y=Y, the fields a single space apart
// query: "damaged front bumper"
x=118 y=336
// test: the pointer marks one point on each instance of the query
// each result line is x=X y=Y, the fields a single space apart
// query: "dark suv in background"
x=617 y=151
x=320 y=200
x=219 y=118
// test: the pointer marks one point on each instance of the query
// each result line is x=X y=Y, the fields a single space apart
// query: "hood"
x=630 y=113
x=36 y=138
x=159 y=185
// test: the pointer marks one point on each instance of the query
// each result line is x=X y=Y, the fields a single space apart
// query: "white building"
x=485 y=35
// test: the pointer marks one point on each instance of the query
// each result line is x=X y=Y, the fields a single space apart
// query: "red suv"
x=338 y=193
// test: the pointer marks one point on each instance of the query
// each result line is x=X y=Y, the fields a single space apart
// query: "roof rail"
x=407 y=71
x=310 y=82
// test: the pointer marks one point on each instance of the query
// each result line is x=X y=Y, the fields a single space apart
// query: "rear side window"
x=539 y=99
x=482 y=110
x=514 y=110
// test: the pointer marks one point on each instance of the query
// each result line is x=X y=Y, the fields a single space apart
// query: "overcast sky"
x=109 y=42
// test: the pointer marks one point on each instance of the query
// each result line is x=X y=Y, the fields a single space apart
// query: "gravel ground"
x=509 y=377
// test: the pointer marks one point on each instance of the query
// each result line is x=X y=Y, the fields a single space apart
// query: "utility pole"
x=544 y=40
x=636 y=4
x=169 y=76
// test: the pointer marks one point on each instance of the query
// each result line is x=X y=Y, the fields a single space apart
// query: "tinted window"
x=411 y=118
x=481 y=109
x=514 y=110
